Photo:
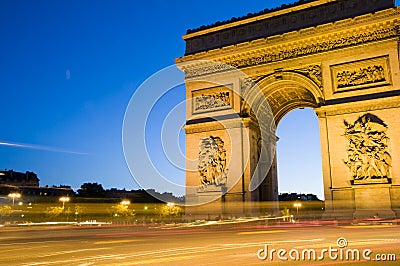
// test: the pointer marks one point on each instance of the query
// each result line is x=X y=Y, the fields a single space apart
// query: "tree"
x=54 y=212
x=123 y=210
x=5 y=211
x=171 y=210
x=286 y=214
x=91 y=190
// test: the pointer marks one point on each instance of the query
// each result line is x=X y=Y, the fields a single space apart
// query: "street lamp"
x=297 y=205
x=125 y=202
x=170 y=208
x=64 y=200
x=13 y=196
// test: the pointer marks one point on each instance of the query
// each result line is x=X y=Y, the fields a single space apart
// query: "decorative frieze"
x=366 y=75
x=315 y=47
x=368 y=156
x=301 y=48
x=215 y=67
x=212 y=99
x=361 y=74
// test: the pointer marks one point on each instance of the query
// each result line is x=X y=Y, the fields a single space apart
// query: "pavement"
x=219 y=244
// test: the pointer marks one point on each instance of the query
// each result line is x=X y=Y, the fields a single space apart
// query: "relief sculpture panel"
x=366 y=75
x=212 y=99
x=368 y=156
x=212 y=162
x=363 y=74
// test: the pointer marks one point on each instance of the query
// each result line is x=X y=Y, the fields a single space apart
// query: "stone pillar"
x=359 y=152
x=326 y=167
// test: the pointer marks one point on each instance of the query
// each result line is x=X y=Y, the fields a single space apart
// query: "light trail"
x=163 y=255
x=261 y=232
x=41 y=147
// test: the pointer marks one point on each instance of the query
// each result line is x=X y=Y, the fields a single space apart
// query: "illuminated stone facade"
x=345 y=67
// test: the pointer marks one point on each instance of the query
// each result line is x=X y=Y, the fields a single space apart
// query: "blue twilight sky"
x=69 y=68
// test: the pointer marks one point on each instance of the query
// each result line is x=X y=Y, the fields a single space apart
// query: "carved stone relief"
x=212 y=101
x=314 y=47
x=205 y=70
x=212 y=162
x=368 y=156
x=246 y=84
x=314 y=72
x=354 y=75
x=366 y=75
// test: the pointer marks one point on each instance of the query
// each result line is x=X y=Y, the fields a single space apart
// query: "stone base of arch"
x=355 y=203
x=382 y=207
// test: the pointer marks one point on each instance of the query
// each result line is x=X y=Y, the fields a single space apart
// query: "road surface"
x=239 y=244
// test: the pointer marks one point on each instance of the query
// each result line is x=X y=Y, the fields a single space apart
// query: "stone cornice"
x=221 y=125
x=295 y=49
x=360 y=30
x=321 y=44
x=356 y=107
x=314 y=13
x=255 y=18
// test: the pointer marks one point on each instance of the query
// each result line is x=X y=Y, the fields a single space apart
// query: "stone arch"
x=273 y=96
x=286 y=91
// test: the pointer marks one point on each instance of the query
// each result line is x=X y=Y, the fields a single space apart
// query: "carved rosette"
x=368 y=156
x=212 y=162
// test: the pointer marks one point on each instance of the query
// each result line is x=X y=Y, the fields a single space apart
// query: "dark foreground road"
x=217 y=245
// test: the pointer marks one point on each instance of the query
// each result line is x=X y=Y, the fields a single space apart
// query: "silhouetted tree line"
x=96 y=191
x=91 y=190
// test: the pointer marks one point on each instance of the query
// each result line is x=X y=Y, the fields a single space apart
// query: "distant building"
x=12 y=178
x=28 y=185
x=142 y=196
x=47 y=191
x=298 y=197
x=137 y=196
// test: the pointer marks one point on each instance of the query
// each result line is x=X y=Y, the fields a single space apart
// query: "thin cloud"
x=68 y=74
x=41 y=147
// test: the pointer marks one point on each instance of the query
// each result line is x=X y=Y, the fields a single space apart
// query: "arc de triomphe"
x=340 y=58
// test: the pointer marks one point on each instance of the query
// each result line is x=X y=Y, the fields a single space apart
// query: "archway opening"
x=299 y=155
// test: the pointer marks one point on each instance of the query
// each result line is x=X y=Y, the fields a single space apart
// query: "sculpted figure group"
x=212 y=161
x=367 y=153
